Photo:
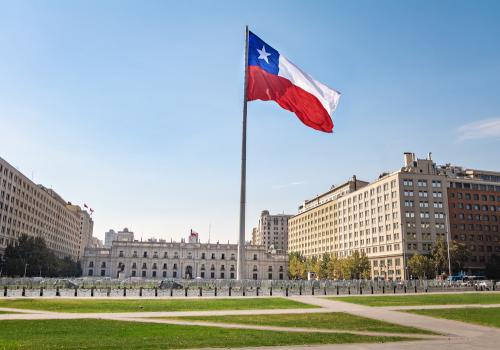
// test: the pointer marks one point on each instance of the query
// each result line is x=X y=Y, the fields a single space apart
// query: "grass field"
x=424 y=299
x=101 y=334
x=335 y=320
x=483 y=316
x=135 y=305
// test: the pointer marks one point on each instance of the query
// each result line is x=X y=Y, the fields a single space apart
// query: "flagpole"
x=240 y=270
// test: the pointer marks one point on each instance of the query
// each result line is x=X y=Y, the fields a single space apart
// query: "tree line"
x=329 y=266
x=31 y=257
x=357 y=266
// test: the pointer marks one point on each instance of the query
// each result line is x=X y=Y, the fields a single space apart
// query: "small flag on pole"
x=272 y=77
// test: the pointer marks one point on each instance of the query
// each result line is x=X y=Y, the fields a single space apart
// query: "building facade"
x=272 y=231
x=474 y=205
x=390 y=219
x=123 y=235
x=155 y=259
x=34 y=210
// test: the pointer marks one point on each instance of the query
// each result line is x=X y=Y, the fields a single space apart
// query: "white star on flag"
x=263 y=54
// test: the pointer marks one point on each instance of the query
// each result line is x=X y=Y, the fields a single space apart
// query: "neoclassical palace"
x=187 y=260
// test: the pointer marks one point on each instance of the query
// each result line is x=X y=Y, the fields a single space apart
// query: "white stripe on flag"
x=328 y=97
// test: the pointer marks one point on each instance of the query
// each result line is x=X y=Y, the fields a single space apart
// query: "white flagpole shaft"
x=240 y=272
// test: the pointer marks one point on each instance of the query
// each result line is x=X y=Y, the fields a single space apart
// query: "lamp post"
x=447 y=223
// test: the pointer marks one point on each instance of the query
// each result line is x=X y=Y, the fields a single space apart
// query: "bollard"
x=230 y=289
x=185 y=292
x=324 y=290
x=493 y=286
x=171 y=292
x=5 y=291
x=300 y=290
x=349 y=290
x=257 y=291
x=58 y=293
x=426 y=290
x=140 y=291
x=215 y=292
x=415 y=289
x=41 y=291
x=156 y=291
x=372 y=289
x=200 y=293
x=271 y=291
x=394 y=289
x=383 y=289
x=337 y=290
x=76 y=291
x=91 y=292
x=244 y=292
x=405 y=289
x=124 y=291
x=108 y=292
x=286 y=291
x=360 y=290
x=24 y=292
x=312 y=290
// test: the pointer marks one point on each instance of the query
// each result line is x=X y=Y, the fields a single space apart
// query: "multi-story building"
x=272 y=231
x=389 y=219
x=34 y=210
x=86 y=227
x=112 y=235
x=474 y=205
x=191 y=259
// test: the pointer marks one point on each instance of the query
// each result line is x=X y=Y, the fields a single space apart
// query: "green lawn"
x=334 y=320
x=102 y=334
x=424 y=299
x=133 y=305
x=483 y=316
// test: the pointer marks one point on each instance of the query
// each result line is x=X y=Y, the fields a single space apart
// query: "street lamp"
x=448 y=242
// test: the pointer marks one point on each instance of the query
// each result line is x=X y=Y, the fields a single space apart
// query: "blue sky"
x=134 y=107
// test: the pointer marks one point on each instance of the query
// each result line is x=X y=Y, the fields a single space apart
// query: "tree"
x=421 y=266
x=459 y=255
x=31 y=257
x=334 y=268
x=296 y=266
x=358 y=266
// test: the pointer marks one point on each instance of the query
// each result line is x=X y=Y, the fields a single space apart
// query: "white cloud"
x=482 y=129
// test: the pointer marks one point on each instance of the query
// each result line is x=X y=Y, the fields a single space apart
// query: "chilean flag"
x=272 y=77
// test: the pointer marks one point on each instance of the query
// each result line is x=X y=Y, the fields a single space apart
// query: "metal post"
x=215 y=292
x=24 y=292
x=124 y=291
x=58 y=294
x=448 y=243
x=140 y=291
x=76 y=291
x=241 y=241
x=156 y=291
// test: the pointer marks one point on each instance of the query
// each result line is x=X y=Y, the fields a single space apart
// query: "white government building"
x=158 y=259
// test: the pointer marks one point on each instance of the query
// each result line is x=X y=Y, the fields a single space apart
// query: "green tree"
x=32 y=257
x=459 y=254
x=334 y=268
x=421 y=266
x=358 y=265
x=296 y=266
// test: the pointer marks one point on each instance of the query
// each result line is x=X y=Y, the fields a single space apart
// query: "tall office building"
x=272 y=231
x=399 y=214
x=124 y=235
x=34 y=210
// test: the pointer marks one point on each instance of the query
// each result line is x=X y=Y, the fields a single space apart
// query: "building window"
x=154 y=273
x=202 y=274
x=255 y=256
x=133 y=273
x=174 y=275
x=270 y=276
x=103 y=273
x=164 y=273
x=143 y=273
x=91 y=272
x=120 y=254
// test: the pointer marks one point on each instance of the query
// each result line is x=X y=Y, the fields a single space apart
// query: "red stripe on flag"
x=265 y=86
